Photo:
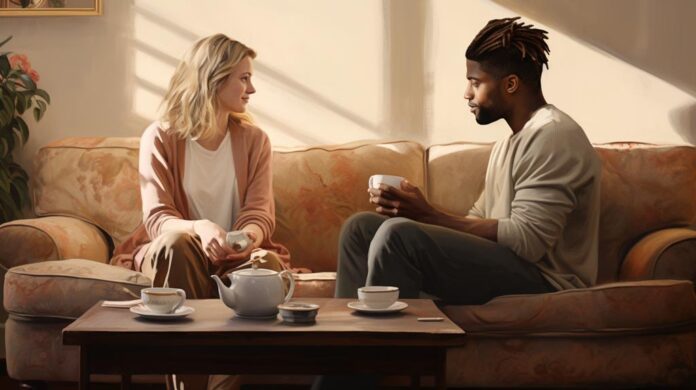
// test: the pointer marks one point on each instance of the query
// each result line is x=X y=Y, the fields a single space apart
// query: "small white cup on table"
x=162 y=300
x=378 y=297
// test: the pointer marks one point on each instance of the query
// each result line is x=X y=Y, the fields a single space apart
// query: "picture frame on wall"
x=50 y=7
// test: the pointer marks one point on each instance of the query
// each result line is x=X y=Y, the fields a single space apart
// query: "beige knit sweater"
x=542 y=185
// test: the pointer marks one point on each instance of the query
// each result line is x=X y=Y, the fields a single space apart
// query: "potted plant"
x=18 y=94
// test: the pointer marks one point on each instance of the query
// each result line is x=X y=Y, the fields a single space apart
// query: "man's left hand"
x=407 y=201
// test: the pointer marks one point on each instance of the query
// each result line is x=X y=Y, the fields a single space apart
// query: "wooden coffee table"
x=213 y=341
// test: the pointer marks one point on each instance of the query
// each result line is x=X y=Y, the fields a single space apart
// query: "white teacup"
x=163 y=300
x=378 y=297
x=390 y=180
x=238 y=240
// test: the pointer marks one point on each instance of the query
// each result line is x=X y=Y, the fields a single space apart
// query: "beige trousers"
x=177 y=260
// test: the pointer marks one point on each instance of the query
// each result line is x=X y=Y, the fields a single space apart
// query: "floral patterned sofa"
x=638 y=327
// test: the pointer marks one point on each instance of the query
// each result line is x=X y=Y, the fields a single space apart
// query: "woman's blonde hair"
x=191 y=100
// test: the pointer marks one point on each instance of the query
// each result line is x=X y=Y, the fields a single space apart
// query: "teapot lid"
x=255 y=272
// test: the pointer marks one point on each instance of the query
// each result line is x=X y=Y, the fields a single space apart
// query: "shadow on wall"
x=684 y=121
x=263 y=69
x=653 y=35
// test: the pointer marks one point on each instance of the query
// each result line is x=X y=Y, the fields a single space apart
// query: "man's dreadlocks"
x=505 y=47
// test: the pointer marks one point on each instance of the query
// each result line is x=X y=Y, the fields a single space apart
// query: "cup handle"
x=182 y=298
x=370 y=181
x=291 y=290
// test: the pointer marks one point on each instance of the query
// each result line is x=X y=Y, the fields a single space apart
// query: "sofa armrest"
x=26 y=241
x=664 y=254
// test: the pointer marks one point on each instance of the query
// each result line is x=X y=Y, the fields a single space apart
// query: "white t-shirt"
x=210 y=183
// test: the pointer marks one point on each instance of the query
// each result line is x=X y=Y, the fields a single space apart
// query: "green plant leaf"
x=44 y=95
x=21 y=104
x=8 y=207
x=4 y=148
x=23 y=129
x=18 y=172
x=20 y=192
x=28 y=82
x=42 y=105
x=37 y=114
x=5 y=180
x=4 y=65
x=5 y=41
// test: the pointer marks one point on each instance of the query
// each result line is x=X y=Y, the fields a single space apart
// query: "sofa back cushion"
x=644 y=188
x=318 y=188
x=94 y=179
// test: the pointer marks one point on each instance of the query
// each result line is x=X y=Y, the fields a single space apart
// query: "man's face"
x=483 y=94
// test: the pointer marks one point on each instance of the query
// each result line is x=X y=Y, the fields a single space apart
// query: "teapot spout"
x=226 y=293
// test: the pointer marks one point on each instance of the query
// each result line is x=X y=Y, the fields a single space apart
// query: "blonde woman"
x=205 y=169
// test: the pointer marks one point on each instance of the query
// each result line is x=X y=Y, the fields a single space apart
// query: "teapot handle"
x=292 y=284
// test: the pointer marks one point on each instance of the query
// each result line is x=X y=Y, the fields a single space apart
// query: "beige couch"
x=630 y=330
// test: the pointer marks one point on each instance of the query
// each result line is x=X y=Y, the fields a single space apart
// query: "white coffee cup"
x=391 y=180
x=378 y=297
x=238 y=240
x=162 y=300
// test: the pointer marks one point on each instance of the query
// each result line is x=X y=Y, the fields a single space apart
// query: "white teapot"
x=255 y=292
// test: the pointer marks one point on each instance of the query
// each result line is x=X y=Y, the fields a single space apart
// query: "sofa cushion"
x=67 y=288
x=644 y=188
x=95 y=179
x=318 y=188
x=616 y=308
x=456 y=174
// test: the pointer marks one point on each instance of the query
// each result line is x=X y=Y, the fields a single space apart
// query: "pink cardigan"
x=161 y=166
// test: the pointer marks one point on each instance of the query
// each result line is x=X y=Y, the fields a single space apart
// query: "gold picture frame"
x=48 y=8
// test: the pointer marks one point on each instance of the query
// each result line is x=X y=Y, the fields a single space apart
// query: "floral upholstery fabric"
x=95 y=179
x=601 y=310
x=318 y=188
x=50 y=238
x=644 y=188
x=67 y=288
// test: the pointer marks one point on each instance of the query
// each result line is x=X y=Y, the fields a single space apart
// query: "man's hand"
x=407 y=201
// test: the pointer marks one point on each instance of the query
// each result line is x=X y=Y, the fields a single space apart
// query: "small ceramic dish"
x=298 y=312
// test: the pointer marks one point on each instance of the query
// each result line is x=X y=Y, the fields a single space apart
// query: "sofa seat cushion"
x=67 y=288
x=651 y=306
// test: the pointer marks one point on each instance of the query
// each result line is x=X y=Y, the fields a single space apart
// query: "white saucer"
x=145 y=312
x=395 y=307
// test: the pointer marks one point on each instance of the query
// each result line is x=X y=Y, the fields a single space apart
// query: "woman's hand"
x=213 y=240
x=227 y=254
x=407 y=201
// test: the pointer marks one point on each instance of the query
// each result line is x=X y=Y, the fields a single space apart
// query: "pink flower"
x=20 y=61
x=34 y=75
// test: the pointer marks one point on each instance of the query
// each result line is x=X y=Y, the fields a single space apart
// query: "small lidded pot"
x=298 y=312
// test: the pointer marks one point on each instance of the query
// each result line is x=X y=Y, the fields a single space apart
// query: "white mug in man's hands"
x=238 y=240
x=390 y=180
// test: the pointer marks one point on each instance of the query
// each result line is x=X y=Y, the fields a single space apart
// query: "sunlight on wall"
x=610 y=99
x=319 y=68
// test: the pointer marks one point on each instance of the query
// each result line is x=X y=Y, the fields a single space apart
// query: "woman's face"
x=234 y=92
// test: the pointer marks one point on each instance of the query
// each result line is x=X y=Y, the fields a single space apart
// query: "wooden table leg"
x=84 y=367
x=441 y=376
x=125 y=381
x=415 y=382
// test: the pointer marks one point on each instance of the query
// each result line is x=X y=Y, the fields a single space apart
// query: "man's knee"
x=396 y=230
x=359 y=223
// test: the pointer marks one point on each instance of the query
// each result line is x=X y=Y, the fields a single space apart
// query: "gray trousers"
x=455 y=267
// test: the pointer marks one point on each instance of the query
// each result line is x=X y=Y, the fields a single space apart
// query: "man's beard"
x=486 y=116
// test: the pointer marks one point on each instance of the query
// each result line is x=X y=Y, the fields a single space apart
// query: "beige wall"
x=342 y=70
